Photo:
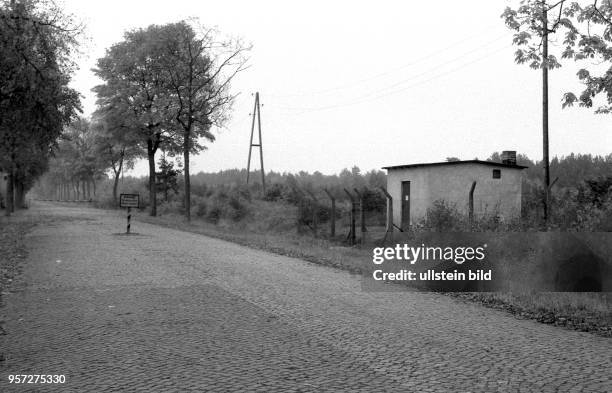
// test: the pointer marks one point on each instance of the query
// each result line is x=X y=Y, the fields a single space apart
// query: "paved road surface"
x=172 y=311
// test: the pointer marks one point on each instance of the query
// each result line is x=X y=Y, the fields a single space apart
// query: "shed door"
x=405 y=205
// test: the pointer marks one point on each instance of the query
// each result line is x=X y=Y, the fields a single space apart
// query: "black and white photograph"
x=306 y=196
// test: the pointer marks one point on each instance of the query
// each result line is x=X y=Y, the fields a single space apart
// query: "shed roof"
x=489 y=163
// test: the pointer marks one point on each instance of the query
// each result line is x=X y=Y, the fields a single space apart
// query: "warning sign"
x=129 y=200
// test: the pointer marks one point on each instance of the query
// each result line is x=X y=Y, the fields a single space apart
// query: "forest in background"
x=582 y=194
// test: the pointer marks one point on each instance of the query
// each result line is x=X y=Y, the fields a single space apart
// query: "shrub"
x=373 y=201
x=175 y=206
x=214 y=214
x=199 y=206
x=274 y=192
x=308 y=208
x=443 y=217
x=237 y=209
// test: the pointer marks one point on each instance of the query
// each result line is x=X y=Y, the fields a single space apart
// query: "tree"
x=532 y=26
x=594 y=45
x=198 y=68
x=115 y=145
x=134 y=89
x=168 y=177
x=37 y=41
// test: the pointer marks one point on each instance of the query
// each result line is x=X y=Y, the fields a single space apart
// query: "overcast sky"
x=371 y=84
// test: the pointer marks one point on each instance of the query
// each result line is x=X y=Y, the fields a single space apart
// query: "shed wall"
x=452 y=183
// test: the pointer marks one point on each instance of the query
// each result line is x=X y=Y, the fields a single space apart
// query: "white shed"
x=414 y=188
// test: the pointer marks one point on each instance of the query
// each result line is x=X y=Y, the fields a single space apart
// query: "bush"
x=275 y=192
x=373 y=201
x=307 y=209
x=199 y=206
x=237 y=209
x=176 y=207
x=214 y=214
x=226 y=203
x=442 y=217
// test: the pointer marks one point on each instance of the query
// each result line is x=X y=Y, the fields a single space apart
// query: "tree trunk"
x=94 y=186
x=89 y=189
x=187 y=180
x=545 y=141
x=83 y=188
x=9 y=193
x=152 y=193
x=115 y=185
x=19 y=195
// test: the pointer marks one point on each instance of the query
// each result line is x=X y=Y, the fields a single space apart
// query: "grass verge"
x=588 y=312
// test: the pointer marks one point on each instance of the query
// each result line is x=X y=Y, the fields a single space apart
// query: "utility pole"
x=257 y=110
x=545 y=156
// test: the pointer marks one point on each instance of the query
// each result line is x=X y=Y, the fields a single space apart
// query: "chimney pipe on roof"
x=508 y=157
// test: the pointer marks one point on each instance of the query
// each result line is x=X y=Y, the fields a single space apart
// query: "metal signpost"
x=129 y=201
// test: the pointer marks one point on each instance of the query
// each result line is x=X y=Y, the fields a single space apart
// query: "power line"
x=388 y=72
x=416 y=76
x=369 y=97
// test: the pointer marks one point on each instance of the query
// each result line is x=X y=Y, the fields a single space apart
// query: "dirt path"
x=167 y=310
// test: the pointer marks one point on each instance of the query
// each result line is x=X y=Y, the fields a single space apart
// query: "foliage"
x=37 y=42
x=197 y=69
x=529 y=25
x=133 y=91
x=594 y=45
x=442 y=217
x=167 y=177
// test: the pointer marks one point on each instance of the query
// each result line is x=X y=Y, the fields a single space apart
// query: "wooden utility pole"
x=257 y=111
x=545 y=156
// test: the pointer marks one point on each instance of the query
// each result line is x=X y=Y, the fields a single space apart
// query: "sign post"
x=129 y=201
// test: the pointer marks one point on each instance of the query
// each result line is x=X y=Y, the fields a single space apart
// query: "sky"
x=370 y=84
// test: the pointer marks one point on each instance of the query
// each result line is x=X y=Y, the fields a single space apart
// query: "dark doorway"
x=405 y=205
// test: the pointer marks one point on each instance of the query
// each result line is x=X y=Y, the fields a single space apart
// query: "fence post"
x=471 y=206
x=352 y=236
x=389 y=214
x=300 y=195
x=332 y=229
x=361 y=216
x=314 y=211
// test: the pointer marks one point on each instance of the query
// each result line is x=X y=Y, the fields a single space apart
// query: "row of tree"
x=37 y=45
x=165 y=87
x=87 y=152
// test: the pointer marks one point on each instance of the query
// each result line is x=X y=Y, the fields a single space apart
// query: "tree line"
x=164 y=88
x=38 y=42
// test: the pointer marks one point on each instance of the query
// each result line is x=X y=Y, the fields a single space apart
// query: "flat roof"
x=489 y=163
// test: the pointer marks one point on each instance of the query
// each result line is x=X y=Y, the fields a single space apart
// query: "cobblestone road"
x=166 y=310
